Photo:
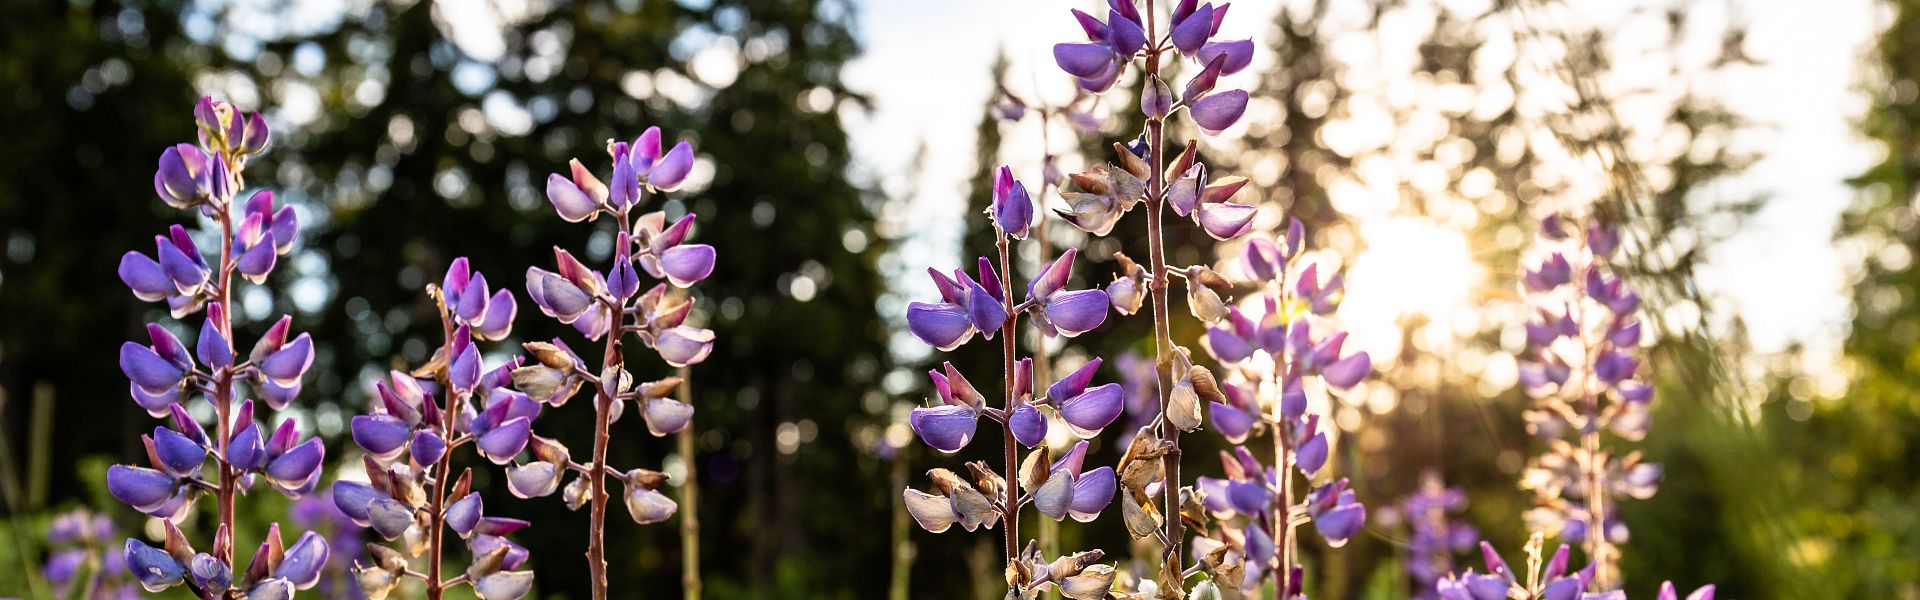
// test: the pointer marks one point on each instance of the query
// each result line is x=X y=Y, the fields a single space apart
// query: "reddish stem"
x=1162 y=331
x=1011 y=512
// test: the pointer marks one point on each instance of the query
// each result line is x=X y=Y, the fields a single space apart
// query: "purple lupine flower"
x=1086 y=411
x=1437 y=536
x=1057 y=311
x=1583 y=370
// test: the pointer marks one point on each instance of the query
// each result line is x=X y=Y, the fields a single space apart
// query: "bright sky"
x=927 y=65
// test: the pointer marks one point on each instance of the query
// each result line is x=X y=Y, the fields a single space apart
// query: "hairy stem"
x=1162 y=332
x=689 y=500
x=436 y=505
x=1011 y=451
x=223 y=390
x=602 y=410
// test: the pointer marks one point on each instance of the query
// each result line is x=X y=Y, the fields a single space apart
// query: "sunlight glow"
x=1411 y=266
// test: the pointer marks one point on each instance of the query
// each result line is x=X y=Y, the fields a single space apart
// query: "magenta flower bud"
x=299 y=464
x=1232 y=423
x=499 y=527
x=645 y=150
x=1124 y=35
x=533 y=480
x=666 y=416
x=572 y=203
x=1089 y=412
x=1085 y=60
x=383 y=436
x=1012 y=207
x=286 y=365
x=303 y=561
x=148 y=371
x=684 y=345
x=353 y=498
x=672 y=170
x=946 y=428
x=1023 y=378
x=1192 y=31
x=1092 y=492
x=687 y=264
x=464 y=514
x=502 y=443
x=141 y=488
x=1347 y=372
x=155 y=568
x=1216 y=112
x=176 y=454
x=1076 y=312
x=1029 y=425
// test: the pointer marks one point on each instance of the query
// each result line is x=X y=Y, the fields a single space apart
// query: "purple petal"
x=557 y=296
x=498 y=320
x=573 y=203
x=144 y=276
x=1192 y=32
x=1029 y=425
x=1225 y=220
x=1084 y=60
x=1312 y=455
x=1055 y=496
x=505 y=585
x=687 y=264
x=1092 y=491
x=943 y=325
x=671 y=171
x=501 y=443
x=1074 y=383
x=1216 y=112
x=381 y=435
x=303 y=561
x=1124 y=35
x=147 y=369
x=155 y=568
x=178 y=454
x=141 y=488
x=1052 y=277
x=1088 y=413
x=389 y=517
x=666 y=415
x=1339 y=524
x=286 y=365
x=427 y=447
x=1232 y=423
x=298 y=464
x=464 y=514
x=1346 y=372
x=256 y=262
x=1239 y=55
x=684 y=345
x=246 y=450
x=533 y=480
x=946 y=428
x=984 y=310
x=1077 y=312
x=353 y=498
x=1226 y=346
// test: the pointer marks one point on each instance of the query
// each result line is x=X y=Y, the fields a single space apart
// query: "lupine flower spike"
x=1059 y=487
x=1250 y=537
x=1583 y=370
x=410 y=436
x=1544 y=579
x=610 y=307
x=164 y=372
x=1130 y=36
